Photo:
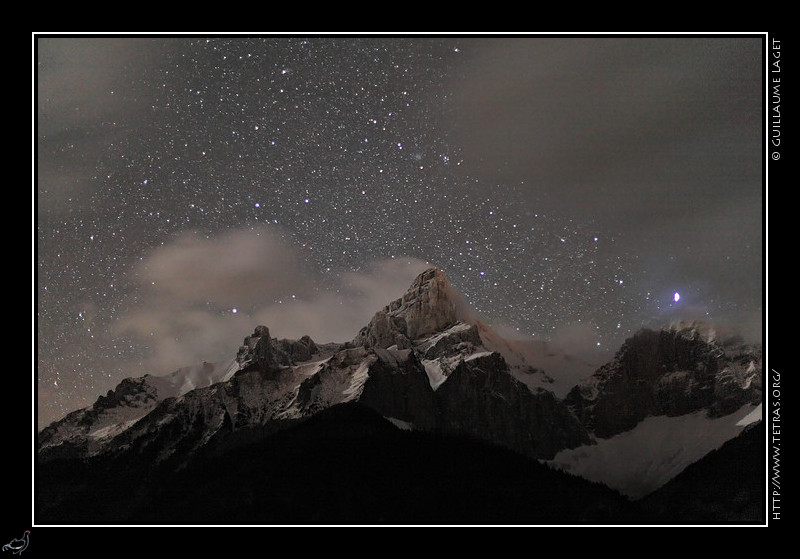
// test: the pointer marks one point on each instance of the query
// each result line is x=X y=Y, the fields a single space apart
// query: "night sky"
x=188 y=188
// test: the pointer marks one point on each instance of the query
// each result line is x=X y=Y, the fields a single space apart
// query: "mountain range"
x=426 y=416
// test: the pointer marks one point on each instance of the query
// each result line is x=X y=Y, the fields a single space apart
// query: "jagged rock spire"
x=430 y=305
x=270 y=354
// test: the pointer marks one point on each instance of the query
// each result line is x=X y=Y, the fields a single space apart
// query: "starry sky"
x=188 y=188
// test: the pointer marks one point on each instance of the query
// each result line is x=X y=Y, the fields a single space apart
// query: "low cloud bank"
x=204 y=295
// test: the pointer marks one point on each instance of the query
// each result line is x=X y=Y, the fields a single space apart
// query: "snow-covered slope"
x=130 y=401
x=643 y=459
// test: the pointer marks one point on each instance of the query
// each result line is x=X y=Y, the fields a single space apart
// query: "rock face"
x=260 y=349
x=430 y=305
x=481 y=398
x=668 y=372
x=299 y=350
x=130 y=392
x=399 y=388
x=270 y=353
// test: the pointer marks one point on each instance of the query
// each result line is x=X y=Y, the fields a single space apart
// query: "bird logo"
x=17 y=546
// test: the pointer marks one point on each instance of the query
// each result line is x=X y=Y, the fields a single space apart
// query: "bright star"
x=677 y=297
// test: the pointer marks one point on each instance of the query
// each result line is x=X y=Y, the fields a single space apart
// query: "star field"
x=327 y=155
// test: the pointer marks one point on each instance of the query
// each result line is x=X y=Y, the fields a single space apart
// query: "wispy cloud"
x=204 y=295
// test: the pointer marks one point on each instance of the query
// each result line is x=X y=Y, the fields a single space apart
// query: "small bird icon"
x=17 y=546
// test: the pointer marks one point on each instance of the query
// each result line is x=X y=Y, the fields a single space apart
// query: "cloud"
x=238 y=268
x=204 y=295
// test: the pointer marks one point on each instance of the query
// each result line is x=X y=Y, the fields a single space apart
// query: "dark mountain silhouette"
x=344 y=465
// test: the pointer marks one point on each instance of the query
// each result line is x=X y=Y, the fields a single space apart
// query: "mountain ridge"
x=424 y=362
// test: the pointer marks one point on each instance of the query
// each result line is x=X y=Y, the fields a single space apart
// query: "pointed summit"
x=430 y=305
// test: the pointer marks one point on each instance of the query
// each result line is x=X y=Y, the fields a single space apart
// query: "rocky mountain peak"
x=672 y=371
x=429 y=305
x=270 y=354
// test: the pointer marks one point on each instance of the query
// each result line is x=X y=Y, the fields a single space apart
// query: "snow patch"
x=111 y=430
x=357 y=381
x=400 y=424
x=477 y=355
x=433 y=368
x=309 y=369
x=232 y=368
x=752 y=417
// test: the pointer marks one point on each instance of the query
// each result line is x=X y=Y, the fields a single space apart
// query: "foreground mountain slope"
x=344 y=465
x=349 y=465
